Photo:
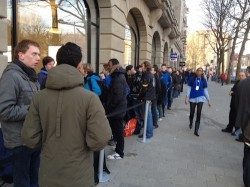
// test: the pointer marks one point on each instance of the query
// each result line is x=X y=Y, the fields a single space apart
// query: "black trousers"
x=192 y=111
x=232 y=119
x=246 y=166
x=117 y=128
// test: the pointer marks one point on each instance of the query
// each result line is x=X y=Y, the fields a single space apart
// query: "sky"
x=194 y=16
x=195 y=19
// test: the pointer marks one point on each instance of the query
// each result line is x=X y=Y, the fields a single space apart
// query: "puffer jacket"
x=16 y=92
x=69 y=123
x=117 y=96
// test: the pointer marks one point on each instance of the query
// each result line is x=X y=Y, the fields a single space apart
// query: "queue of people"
x=55 y=123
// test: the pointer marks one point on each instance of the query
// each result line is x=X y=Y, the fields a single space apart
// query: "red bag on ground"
x=130 y=127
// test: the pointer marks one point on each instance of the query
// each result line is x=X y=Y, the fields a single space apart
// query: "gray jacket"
x=16 y=92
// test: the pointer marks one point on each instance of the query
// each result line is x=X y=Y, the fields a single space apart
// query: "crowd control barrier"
x=103 y=176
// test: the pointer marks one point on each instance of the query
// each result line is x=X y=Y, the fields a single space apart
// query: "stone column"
x=112 y=31
x=3 y=38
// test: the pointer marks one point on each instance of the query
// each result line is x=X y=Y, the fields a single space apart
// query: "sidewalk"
x=177 y=158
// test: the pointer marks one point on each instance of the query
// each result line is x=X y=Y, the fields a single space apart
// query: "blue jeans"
x=150 y=128
x=169 y=97
x=154 y=112
x=26 y=164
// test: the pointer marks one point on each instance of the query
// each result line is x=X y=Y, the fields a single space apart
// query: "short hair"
x=147 y=65
x=23 y=46
x=138 y=67
x=114 y=61
x=129 y=67
x=156 y=68
x=47 y=60
x=164 y=65
x=70 y=54
x=248 y=70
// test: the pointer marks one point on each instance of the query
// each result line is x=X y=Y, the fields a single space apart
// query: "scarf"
x=29 y=71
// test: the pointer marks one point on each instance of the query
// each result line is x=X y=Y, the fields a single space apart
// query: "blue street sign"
x=173 y=56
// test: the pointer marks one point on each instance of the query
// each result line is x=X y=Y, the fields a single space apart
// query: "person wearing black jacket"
x=157 y=94
x=148 y=94
x=117 y=102
x=233 y=107
x=243 y=121
x=176 y=83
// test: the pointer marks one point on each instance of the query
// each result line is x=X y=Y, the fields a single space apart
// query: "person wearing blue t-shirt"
x=197 y=94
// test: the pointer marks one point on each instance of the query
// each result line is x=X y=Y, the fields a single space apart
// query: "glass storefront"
x=52 y=23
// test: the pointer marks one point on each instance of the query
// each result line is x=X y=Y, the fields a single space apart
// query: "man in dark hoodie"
x=148 y=94
x=117 y=102
x=18 y=84
x=243 y=121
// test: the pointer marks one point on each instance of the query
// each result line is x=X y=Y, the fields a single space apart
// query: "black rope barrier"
x=121 y=111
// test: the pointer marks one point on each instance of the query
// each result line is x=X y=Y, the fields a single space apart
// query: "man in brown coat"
x=68 y=122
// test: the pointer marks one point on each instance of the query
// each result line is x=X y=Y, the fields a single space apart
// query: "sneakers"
x=114 y=156
x=160 y=119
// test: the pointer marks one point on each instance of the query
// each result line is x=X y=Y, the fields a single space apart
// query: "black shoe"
x=156 y=126
x=196 y=134
x=169 y=108
x=140 y=136
x=226 y=130
x=239 y=140
x=233 y=134
x=111 y=143
x=190 y=126
x=136 y=132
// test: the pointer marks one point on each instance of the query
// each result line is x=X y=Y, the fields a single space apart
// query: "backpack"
x=102 y=86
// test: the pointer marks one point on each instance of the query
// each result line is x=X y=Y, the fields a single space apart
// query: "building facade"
x=132 y=31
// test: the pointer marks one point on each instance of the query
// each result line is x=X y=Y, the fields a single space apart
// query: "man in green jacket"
x=68 y=122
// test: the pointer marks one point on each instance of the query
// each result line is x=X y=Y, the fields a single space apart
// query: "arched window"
x=52 y=23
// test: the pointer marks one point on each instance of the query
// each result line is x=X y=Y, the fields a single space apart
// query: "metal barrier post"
x=145 y=121
x=103 y=177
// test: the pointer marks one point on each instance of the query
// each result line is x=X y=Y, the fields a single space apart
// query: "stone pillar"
x=112 y=31
x=3 y=38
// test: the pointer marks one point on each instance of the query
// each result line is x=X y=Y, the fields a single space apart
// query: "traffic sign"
x=173 y=57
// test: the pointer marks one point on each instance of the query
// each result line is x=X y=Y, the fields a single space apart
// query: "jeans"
x=150 y=127
x=154 y=112
x=117 y=128
x=26 y=164
x=246 y=166
x=159 y=108
x=170 y=97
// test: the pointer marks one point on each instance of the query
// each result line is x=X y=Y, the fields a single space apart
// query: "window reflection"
x=130 y=46
x=52 y=23
x=9 y=29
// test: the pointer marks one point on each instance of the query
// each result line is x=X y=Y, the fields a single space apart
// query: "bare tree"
x=194 y=52
x=242 y=10
x=242 y=49
x=219 y=22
